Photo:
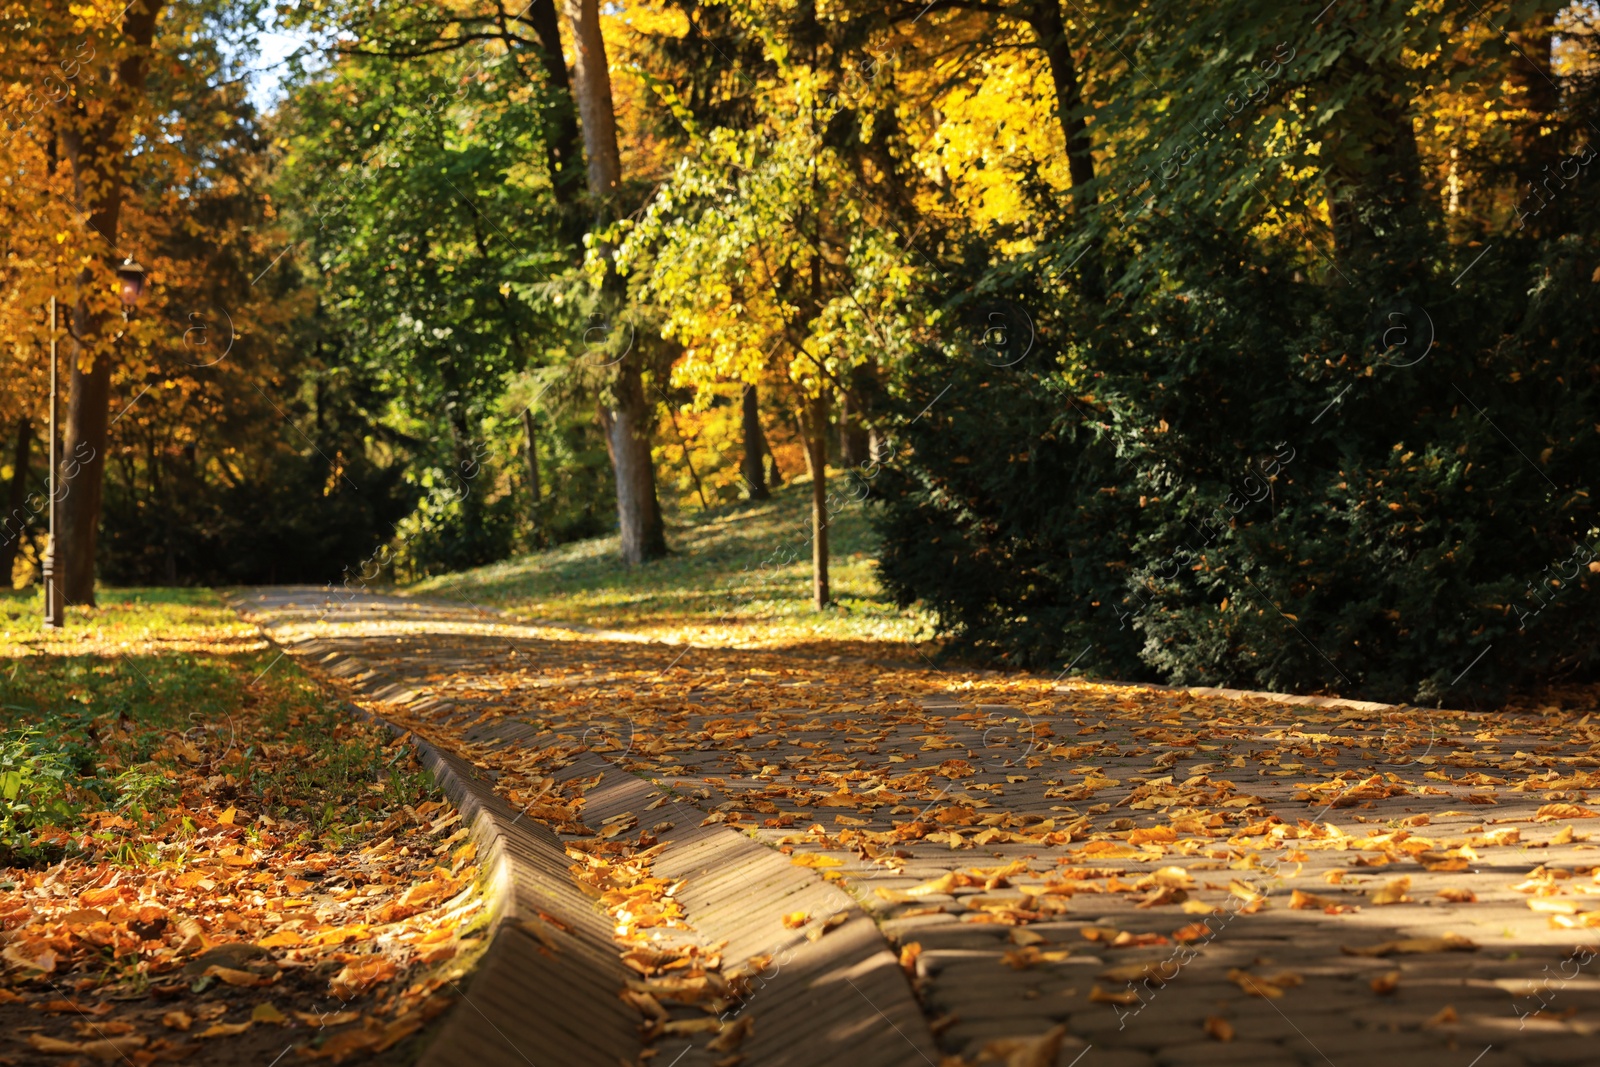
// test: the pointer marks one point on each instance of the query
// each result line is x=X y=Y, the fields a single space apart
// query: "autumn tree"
x=764 y=252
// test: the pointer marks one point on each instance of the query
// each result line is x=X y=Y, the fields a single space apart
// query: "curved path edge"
x=548 y=992
x=545 y=991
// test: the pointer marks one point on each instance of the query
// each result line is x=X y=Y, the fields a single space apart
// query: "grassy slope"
x=114 y=686
x=193 y=793
x=710 y=591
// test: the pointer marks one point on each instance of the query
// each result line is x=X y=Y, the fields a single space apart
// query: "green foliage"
x=1350 y=456
x=35 y=792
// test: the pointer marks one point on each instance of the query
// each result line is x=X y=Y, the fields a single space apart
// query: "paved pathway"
x=1066 y=874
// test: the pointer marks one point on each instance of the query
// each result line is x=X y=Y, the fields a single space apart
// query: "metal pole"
x=52 y=593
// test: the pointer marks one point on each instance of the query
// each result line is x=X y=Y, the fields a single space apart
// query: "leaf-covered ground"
x=1147 y=875
x=208 y=857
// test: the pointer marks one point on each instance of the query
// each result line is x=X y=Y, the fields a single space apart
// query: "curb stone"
x=544 y=991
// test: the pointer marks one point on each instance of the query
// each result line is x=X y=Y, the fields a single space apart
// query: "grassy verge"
x=713 y=588
x=202 y=851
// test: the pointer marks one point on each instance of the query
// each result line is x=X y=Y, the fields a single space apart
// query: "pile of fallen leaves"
x=242 y=865
x=242 y=929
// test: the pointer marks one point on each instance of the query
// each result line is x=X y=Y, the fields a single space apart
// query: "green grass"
x=710 y=590
x=162 y=694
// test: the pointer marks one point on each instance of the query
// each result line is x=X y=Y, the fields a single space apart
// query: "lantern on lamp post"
x=131 y=275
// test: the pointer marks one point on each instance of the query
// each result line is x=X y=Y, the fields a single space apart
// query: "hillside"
x=710 y=590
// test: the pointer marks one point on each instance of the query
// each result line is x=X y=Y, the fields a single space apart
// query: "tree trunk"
x=627 y=425
x=627 y=421
x=817 y=449
x=852 y=434
x=774 y=475
x=804 y=423
x=688 y=459
x=14 y=526
x=755 y=476
x=96 y=150
x=1044 y=16
x=561 y=147
x=592 y=85
x=1375 y=180
x=535 y=492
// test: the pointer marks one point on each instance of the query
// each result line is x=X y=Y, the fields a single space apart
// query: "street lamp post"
x=130 y=277
x=52 y=593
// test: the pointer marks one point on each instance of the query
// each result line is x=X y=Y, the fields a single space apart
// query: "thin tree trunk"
x=804 y=423
x=12 y=529
x=852 y=434
x=1538 y=155
x=688 y=460
x=1051 y=29
x=535 y=493
x=755 y=476
x=96 y=150
x=817 y=448
x=1044 y=16
x=774 y=475
x=561 y=147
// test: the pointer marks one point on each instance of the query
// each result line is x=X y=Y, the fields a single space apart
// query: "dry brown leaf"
x=732 y=1034
x=1458 y=896
x=833 y=922
x=1218 y=1028
x=359 y=976
x=1550 y=812
x=233 y=977
x=1162 y=897
x=54 y=1046
x=685 y=1027
x=177 y=1020
x=1041 y=1051
x=1386 y=983
x=1412 y=946
x=1020 y=959
x=1156 y=835
x=1254 y=900
x=1123 y=998
x=1166 y=878
x=1269 y=986
x=1393 y=893
x=1300 y=900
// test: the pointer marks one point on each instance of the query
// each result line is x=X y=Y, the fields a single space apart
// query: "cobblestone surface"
x=1132 y=875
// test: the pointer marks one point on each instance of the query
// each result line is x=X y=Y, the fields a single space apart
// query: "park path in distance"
x=1105 y=875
